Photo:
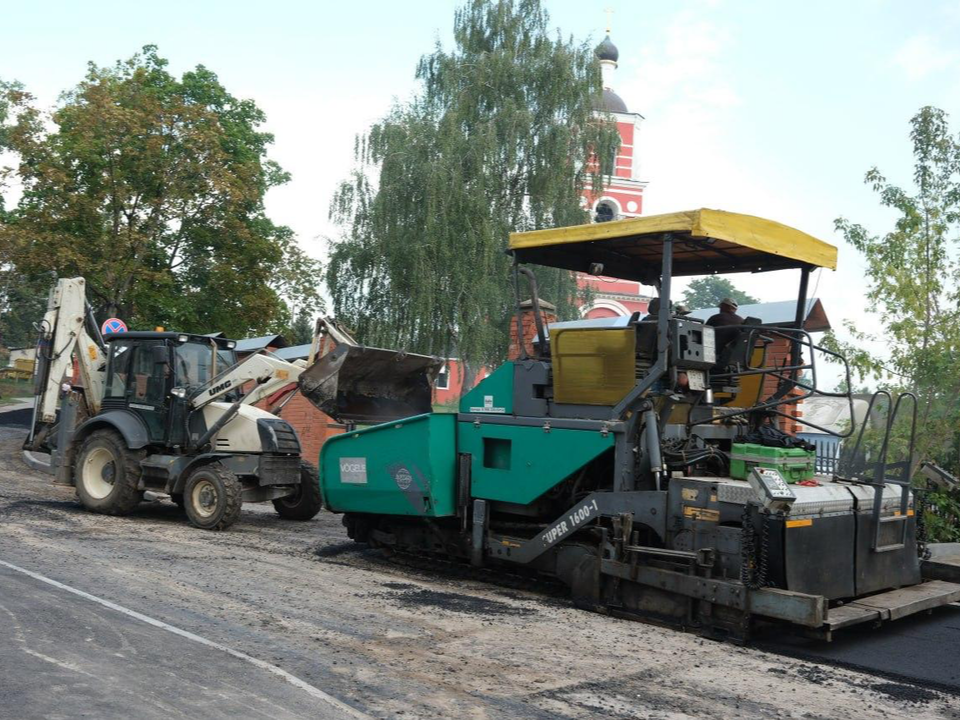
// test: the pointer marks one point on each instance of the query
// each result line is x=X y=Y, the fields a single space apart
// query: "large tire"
x=306 y=502
x=212 y=497
x=107 y=474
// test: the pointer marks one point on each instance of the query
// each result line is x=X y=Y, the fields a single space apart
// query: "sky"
x=769 y=108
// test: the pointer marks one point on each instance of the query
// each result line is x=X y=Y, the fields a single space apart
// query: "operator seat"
x=733 y=345
x=646 y=342
x=737 y=354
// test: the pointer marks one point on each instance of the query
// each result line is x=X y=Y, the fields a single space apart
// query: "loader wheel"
x=212 y=497
x=306 y=502
x=107 y=474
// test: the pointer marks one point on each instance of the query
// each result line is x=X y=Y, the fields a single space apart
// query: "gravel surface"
x=390 y=640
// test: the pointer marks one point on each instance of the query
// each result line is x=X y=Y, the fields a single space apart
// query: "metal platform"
x=944 y=562
x=892 y=605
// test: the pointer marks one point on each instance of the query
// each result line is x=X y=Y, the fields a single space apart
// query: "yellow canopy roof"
x=705 y=241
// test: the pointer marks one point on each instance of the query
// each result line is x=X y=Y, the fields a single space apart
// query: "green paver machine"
x=622 y=455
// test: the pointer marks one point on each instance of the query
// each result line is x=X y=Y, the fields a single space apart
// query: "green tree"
x=301 y=330
x=913 y=287
x=707 y=292
x=152 y=188
x=497 y=139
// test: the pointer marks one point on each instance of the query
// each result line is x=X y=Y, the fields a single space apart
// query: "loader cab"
x=151 y=374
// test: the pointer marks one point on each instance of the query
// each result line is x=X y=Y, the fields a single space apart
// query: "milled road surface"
x=387 y=640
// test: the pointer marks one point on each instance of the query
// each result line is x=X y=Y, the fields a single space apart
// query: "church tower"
x=622 y=195
x=623 y=190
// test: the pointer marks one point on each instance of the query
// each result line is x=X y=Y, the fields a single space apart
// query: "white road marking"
x=54 y=661
x=263 y=665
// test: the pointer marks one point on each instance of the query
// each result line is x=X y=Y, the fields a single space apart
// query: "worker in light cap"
x=727 y=315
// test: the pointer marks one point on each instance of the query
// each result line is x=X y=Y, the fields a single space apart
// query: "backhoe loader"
x=174 y=413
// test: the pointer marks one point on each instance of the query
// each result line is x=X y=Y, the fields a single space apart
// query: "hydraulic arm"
x=65 y=329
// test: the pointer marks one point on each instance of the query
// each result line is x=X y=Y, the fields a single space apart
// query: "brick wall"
x=547 y=313
x=778 y=354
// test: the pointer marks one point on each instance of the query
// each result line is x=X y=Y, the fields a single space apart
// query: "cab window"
x=194 y=363
x=119 y=369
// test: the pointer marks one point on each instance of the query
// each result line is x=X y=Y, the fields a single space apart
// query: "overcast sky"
x=774 y=109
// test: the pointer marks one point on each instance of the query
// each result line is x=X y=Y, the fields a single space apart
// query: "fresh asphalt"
x=924 y=649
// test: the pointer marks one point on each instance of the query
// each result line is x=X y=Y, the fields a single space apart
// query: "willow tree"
x=496 y=139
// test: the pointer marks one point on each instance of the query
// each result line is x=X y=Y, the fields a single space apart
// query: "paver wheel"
x=107 y=474
x=306 y=502
x=212 y=497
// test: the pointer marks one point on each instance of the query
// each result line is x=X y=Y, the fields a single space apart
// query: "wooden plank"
x=942 y=566
x=846 y=615
x=799 y=608
x=896 y=604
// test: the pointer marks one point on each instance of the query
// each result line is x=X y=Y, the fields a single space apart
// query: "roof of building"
x=783 y=312
x=611 y=102
x=294 y=352
x=248 y=345
x=607 y=50
x=544 y=304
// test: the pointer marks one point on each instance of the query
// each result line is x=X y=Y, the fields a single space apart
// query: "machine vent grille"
x=286 y=439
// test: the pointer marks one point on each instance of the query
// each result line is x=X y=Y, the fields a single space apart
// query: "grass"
x=12 y=390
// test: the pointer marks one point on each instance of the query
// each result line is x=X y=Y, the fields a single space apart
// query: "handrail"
x=855 y=471
x=785 y=374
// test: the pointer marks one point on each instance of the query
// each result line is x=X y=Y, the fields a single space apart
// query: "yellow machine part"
x=737 y=242
x=751 y=386
x=593 y=367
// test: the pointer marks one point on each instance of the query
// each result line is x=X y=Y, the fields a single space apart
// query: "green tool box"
x=794 y=464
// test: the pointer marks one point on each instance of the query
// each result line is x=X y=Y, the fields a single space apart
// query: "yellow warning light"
x=158 y=328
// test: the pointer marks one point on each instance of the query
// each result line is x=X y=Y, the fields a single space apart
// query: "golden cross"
x=609 y=12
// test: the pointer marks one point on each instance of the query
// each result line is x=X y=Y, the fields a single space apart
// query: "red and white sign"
x=113 y=325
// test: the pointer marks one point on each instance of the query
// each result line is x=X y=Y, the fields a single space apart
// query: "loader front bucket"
x=366 y=385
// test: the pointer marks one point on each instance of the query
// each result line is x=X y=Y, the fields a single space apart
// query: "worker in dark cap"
x=653 y=309
x=726 y=320
x=727 y=315
x=676 y=310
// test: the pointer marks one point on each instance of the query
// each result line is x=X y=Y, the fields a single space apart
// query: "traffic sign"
x=113 y=325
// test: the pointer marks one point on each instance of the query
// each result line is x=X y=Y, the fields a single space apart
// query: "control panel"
x=774 y=493
x=693 y=345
